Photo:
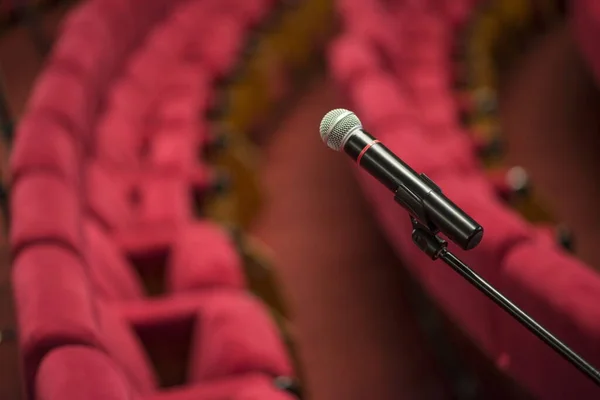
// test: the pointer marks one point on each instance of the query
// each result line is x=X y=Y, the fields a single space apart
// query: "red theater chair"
x=230 y=332
x=473 y=312
x=220 y=50
x=197 y=256
x=351 y=59
x=80 y=372
x=77 y=372
x=432 y=155
x=122 y=199
x=54 y=306
x=64 y=96
x=45 y=209
x=560 y=292
x=379 y=102
x=82 y=47
x=44 y=145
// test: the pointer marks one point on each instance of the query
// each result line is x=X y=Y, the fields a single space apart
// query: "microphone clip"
x=427 y=239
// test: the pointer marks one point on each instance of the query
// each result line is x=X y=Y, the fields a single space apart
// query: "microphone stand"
x=426 y=239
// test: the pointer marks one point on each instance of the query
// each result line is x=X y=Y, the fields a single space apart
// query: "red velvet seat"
x=127 y=199
x=379 y=102
x=79 y=372
x=457 y=12
x=428 y=153
x=76 y=372
x=45 y=209
x=438 y=112
x=82 y=311
x=198 y=256
x=523 y=261
x=53 y=302
x=43 y=144
x=248 y=14
x=220 y=50
x=503 y=231
x=63 y=95
x=427 y=79
x=176 y=147
x=231 y=332
x=55 y=305
x=160 y=52
x=560 y=292
x=124 y=133
x=120 y=139
x=189 y=16
x=350 y=59
x=83 y=47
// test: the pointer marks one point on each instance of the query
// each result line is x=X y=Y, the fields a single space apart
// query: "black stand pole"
x=435 y=247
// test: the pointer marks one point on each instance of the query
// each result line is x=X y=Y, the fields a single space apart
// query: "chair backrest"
x=54 y=304
x=79 y=372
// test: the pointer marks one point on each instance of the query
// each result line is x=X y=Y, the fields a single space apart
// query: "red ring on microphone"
x=367 y=147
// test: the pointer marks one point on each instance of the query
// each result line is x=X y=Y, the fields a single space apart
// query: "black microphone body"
x=418 y=194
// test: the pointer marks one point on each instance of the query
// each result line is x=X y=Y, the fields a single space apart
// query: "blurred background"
x=175 y=228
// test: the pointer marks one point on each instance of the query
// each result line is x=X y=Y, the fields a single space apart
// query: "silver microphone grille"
x=336 y=126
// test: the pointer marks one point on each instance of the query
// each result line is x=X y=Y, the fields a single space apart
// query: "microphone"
x=342 y=130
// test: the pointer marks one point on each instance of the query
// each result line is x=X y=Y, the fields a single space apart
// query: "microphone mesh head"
x=336 y=126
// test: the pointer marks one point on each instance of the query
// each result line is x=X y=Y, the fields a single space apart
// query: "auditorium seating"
x=396 y=72
x=127 y=280
x=116 y=270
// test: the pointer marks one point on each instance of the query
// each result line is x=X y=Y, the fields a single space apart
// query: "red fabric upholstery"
x=125 y=348
x=45 y=210
x=220 y=50
x=350 y=58
x=251 y=12
x=430 y=155
x=560 y=293
x=44 y=144
x=85 y=48
x=175 y=149
x=120 y=139
x=130 y=99
x=109 y=198
x=523 y=262
x=130 y=199
x=401 y=91
x=232 y=335
x=503 y=230
x=77 y=372
x=204 y=256
x=198 y=256
x=379 y=102
x=126 y=148
x=53 y=304
x=235 y=336
x=62 y=95
x=112 y=277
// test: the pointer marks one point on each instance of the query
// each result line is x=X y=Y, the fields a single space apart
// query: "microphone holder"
x=426 y=239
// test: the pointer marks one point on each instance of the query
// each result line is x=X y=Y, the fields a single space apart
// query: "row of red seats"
x=395 y=70
x=103 y=165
